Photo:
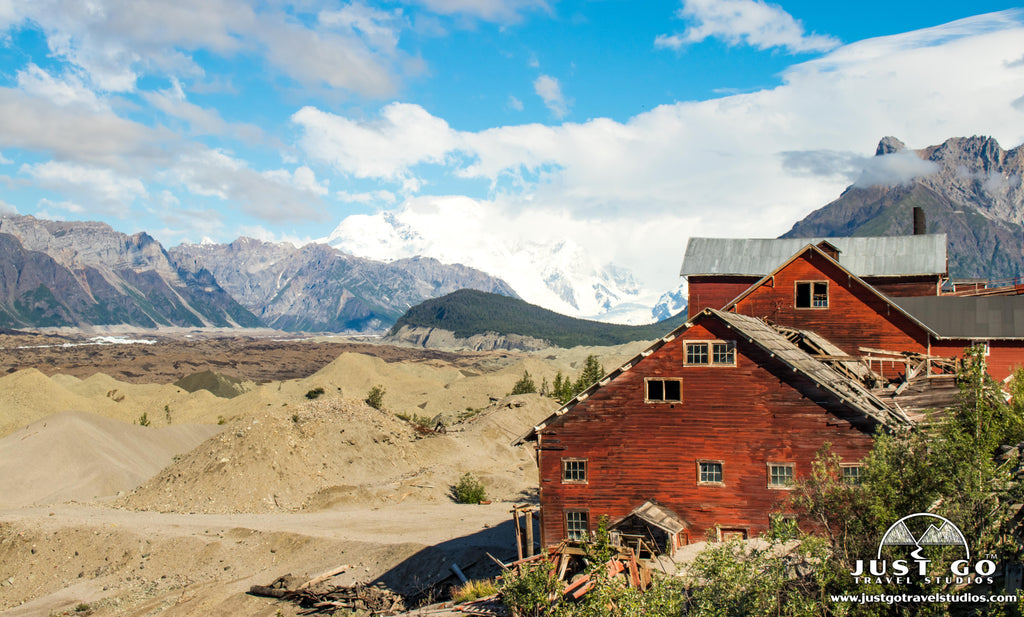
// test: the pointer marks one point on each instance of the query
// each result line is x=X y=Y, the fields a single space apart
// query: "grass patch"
x=473 y=590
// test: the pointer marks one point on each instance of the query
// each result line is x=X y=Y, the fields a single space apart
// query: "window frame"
x=585 y=470
x=584 y=519
x=811 y=295
x=721 y=472
x=709 y=345
x=647 y=390
x=859 y=476
x=792 y=475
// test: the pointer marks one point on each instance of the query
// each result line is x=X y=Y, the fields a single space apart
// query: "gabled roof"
x=873 y=256
x=781 y=349
x=971 y=317
x=658 y=515
x=853 y=279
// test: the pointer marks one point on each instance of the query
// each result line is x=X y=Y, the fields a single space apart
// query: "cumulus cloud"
x=272 y=196
x=403 y=136
x=201 y=120
x=114 y=42
x=102 y=188
x=367 y=197
x=67 y=91
x=751 y=22
x=550 y=91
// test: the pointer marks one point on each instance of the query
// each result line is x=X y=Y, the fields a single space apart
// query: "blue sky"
x=450 y=127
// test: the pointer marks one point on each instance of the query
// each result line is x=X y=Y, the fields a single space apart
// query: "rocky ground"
x=181 y=511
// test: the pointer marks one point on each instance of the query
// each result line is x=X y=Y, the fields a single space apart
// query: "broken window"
x=576 y=527
x=812 y=294
x=666 y=390
x=852 y=474
x=709 y=472
x=696 y=353
x=574 y=471
x=780 y=475
x=724 y=353
x=719 y=353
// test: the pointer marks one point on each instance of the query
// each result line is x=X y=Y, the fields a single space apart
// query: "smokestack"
x=920 y=228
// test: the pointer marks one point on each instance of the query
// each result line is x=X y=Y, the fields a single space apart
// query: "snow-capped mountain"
x=560 y=275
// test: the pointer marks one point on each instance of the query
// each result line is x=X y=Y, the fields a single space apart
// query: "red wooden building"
x=701 y=434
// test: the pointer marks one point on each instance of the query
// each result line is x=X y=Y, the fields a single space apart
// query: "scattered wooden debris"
x=568 y=560
x=369 y=600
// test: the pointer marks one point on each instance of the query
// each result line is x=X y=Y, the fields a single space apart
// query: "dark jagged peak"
x=889 y=145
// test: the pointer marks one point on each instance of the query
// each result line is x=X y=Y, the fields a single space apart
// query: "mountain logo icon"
x=940 y=532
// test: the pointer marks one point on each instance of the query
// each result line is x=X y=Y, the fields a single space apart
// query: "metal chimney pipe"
x=920 y=227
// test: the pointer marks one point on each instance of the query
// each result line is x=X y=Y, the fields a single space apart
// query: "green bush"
x=530 y=590
x=143 y=420
x=375 y=397
x=525 y=385
x=469 y=490
x=473 y=590
x=315 y=393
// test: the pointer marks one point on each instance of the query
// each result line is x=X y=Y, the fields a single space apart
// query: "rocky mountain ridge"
x=80 y=274
x=319 y=288
x=970 y=188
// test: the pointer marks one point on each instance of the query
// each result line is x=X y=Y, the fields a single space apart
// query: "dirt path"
x=140 y=563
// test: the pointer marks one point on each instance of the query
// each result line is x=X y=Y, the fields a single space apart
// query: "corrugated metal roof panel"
x=871 y=256
x=978 y=317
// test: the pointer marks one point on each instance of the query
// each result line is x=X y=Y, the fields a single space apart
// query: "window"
x=709 y=472
x=576 y=527
x=696 y=353
x=718 y=353
x=574 y=471
x=724 y=353
x=852 y=474
x=812 y=294
x=665 y=390
x=780 y=475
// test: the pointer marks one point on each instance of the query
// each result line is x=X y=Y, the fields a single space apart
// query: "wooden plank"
x=323 y=577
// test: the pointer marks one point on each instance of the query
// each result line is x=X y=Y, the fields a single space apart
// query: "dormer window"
x=711 y=353
x=812 y=294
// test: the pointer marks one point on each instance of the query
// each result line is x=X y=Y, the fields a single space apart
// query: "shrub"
x=315 y=393
x=375 y=397
x=525 y=385
x=530 y=590
x=473 y=590
x=143 y=420
x=469 y=490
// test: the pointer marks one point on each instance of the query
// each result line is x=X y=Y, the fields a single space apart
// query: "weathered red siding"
x=745 y=416
x=855 y=317
x=904 y=286
x=714 y=291
x=1003 y=359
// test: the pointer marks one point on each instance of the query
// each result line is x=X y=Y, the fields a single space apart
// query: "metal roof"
x=869 y=256
x=972 y=317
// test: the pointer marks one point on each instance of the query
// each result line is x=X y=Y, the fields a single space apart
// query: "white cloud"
x=894 y=169
x=102 y=188
x=514 y=104
x=550 y=90
x=751 y=22
x=6 y=208
x=114 y=42
x=273 y=196
x=405 y=135
x=501 y=11
x=201 y=120
x=368 y=197
x=67 y=91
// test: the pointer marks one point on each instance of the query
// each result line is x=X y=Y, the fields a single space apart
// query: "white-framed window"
x=710 y=353
x=811 y=294
x=781 y=475
x=710 y=472
x=574 y=471
x=853 y=474
x=664 y=390
x=577 y=526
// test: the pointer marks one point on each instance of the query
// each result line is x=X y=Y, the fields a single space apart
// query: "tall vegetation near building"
x=525 y=385
x=564 y=389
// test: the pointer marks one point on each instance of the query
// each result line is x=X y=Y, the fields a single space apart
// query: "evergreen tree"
x=592 y=373
x=525 y=385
